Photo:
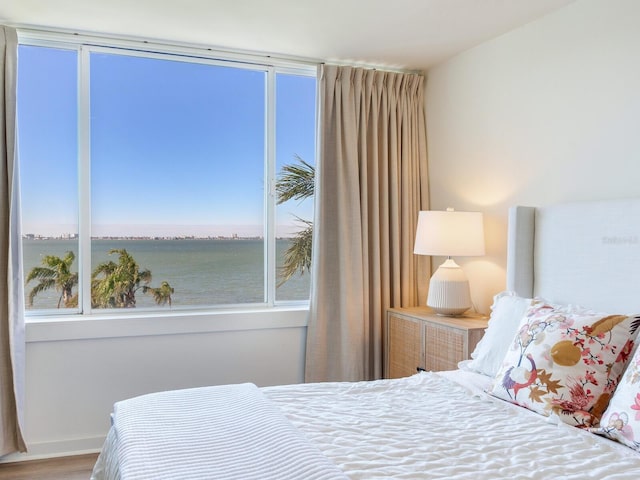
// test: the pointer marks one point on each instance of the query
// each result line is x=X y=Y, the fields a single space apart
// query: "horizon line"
x=31 y=236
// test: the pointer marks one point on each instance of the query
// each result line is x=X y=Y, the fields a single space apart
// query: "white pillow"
x=506 y=313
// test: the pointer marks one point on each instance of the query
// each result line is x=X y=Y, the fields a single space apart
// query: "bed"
x=549 y=393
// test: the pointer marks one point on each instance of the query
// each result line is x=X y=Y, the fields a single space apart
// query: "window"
x=149 y=179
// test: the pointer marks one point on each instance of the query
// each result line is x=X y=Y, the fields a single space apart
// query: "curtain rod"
x=170 y=46
x=37 y=32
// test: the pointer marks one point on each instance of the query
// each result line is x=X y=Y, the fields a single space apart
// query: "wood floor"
x=62 y=468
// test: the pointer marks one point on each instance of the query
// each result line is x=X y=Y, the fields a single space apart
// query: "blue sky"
x=177 y=148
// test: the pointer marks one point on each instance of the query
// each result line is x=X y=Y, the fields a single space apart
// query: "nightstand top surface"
x=469 y=320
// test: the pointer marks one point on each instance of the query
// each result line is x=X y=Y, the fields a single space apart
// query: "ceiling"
x=404 y=34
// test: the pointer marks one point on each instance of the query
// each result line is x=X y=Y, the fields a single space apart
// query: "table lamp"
x=448 y=234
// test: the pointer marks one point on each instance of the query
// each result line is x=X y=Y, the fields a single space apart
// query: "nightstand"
x=416 y=338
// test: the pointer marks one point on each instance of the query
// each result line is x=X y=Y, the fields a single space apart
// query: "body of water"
x=202 y=271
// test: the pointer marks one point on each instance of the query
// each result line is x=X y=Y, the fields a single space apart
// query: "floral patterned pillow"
x=621 y=420
x=566 y=362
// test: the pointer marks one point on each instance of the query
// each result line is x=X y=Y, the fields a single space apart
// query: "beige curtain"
x=371 y=183
x=12 y=344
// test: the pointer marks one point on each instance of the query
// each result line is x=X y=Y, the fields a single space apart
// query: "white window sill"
x=57 y=328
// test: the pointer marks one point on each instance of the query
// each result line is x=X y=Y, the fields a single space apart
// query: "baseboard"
x=60 y=448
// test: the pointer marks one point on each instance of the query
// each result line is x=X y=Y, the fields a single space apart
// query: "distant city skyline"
x=31 y=236
x=203 y=231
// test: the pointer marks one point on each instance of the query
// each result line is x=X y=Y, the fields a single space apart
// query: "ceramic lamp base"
x=449 y=290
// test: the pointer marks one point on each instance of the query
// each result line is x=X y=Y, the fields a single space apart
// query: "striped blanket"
x=226 y=432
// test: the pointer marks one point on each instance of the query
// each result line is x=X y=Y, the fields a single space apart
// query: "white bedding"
x=427 y=426
x=431 y=426
x=213 y=432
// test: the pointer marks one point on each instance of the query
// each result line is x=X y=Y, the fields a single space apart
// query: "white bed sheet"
x=430 y=426
x=435 y=425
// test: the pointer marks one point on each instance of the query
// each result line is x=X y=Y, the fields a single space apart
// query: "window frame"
x=84 y=46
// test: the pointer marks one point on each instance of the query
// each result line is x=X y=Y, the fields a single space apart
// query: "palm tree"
x=297 y=182
x=161 y=294
x=114 y=285
x=55 y=273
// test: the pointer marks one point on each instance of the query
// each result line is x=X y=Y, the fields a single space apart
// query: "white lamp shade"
x=449 y=233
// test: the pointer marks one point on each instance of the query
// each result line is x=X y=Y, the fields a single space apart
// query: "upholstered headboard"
x=585 y=253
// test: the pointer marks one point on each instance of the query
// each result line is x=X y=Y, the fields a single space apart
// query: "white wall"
x=544 y=114
x=76 y=370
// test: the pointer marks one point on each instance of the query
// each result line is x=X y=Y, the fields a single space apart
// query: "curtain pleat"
x=12 y=344
x=371 y=181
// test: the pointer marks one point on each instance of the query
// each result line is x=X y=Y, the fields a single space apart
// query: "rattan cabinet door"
x=444 y=347
x=404 y=346
x=448 y=341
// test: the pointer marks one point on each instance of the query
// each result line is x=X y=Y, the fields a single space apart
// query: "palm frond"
x=162 y=294
x=103 y=268
x=145 y=276
x=297 y=258
x=295 y=181
x=40 y=273
x=44 y=285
